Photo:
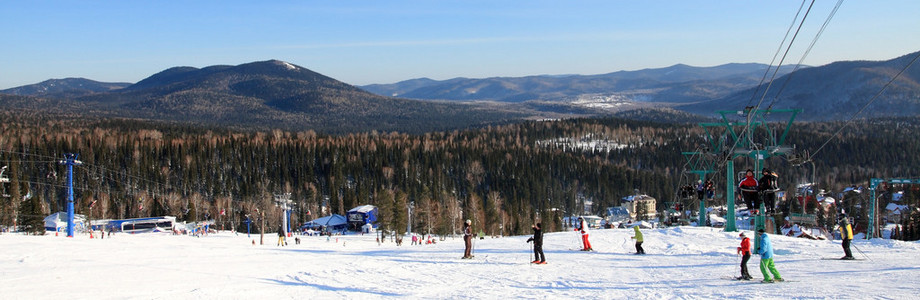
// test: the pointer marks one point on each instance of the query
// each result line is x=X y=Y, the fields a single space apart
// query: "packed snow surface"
x=682 y=262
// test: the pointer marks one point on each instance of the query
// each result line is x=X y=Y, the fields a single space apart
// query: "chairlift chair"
x=4 y=179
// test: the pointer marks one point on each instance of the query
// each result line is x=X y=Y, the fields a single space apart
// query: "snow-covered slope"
x=683 y=262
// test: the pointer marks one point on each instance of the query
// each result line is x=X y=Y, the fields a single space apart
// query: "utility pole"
x=70 y=159
x=262 y=227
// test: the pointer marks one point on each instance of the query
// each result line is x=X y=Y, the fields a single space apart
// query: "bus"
x=141 y=225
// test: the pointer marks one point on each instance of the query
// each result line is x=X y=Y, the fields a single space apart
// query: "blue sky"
x=364 y=42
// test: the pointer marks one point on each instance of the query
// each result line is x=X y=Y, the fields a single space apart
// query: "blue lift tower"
x=70 y=160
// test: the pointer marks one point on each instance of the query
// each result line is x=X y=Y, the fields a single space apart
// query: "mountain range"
x=277 y=94
x=679 y=83
x=267 y=94
x=65 y=88
x=836 y=91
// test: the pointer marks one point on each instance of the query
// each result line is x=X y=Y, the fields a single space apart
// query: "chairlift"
x=4 y=179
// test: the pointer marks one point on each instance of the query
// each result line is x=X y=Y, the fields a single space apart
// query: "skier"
x=710 y=189
x=582 y=226
x=749 y=190
x=468 y=239
x=766 y=258
x=745 y=251
x=281 y=241
x=537 y=240
x=638 y=238
x=700 y=190
x=846 y=234
x=768 y=187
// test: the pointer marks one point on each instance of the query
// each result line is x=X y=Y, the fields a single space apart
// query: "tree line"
x=503 y=178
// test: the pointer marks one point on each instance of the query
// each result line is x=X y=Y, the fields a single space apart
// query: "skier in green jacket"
x=638 y=238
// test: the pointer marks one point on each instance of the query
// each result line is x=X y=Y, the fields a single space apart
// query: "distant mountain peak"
x=67 y=87
x=285 y=64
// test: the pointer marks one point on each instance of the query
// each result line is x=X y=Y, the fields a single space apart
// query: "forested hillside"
x=500 y=177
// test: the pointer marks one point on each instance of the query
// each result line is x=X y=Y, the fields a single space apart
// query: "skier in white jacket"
x=582 y=226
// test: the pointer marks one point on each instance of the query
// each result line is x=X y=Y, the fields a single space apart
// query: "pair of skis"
x=753 y=280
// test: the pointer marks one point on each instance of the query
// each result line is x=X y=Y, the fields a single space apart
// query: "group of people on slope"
x=754 y=192
x=582 y=227
x=765 y=250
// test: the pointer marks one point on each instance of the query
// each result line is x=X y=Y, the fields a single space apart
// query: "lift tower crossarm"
x=739 y=136
x=873 y=186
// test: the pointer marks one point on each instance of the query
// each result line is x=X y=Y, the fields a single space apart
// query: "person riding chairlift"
x=749 y=189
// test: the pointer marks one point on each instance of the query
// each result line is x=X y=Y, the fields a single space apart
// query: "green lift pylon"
x=701 y=166
x=752 y=138
x=873 y=186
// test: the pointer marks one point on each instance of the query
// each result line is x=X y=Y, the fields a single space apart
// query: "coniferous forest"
x=500 y=177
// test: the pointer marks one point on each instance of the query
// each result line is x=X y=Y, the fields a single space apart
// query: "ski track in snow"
x=683 y=263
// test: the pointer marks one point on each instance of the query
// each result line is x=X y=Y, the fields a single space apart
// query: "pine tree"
x=192 y=215
x=31 y=218
x=400 y=212
x=641 y=209
x=493 y=212
x=385 y=208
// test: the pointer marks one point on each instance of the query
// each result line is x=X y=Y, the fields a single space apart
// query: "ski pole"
x=579 y=240
x=738 y=259
x=861 y=252
x=473 y=246
x=534 y=255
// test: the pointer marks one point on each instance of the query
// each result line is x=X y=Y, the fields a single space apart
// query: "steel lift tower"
x=750 y=138
x=70 y=160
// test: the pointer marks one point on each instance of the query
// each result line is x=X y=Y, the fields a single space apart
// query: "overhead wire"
x=775 y=54
x=786 y=53
x=45 y=184
x=55 y=159
x=750 y=113
x=798 y=65
x=875 y=97
x=99 y=171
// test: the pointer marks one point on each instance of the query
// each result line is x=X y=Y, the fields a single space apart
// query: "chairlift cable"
x=99 y=170
x=35 y=161
x=849 y=121
x=788 y=47
x=47 y=184
x=778 y=49
x=807 y=51
x=750 y=117
x=55 y=159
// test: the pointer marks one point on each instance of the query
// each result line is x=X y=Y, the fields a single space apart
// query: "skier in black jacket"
x=468 y=239
x=537 y=240
x=768 y=188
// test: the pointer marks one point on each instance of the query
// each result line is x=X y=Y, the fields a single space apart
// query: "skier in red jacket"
x=749 y=189
x=745 y=250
